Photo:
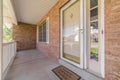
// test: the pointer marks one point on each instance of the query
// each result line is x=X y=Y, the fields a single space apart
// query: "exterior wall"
x=25 y=35
x=53 y=47
x=112 y=36
x=112 y=39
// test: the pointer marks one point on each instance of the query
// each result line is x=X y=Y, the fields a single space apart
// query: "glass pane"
x=40 y=33
x=71 y=41
x=7 y=32
x=94 y=41
x=93 y=3
x=94 y=32
x=94 y=14
x=44 y=32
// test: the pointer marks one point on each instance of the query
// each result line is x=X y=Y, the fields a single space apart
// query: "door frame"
x=81 y=34
x=84 y=58
x=102 y=38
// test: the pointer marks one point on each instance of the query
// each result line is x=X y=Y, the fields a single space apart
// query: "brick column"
x=112 y=39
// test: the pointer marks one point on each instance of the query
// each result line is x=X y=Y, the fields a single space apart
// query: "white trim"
x=47 y=35
x=81 y=34
x=85 y=36
x=93 y=7
x=102 y=38
x=9 y=53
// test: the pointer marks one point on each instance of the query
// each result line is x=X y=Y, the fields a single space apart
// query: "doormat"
x=65 y=74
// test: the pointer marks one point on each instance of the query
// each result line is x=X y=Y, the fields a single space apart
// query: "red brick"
x=25 y=35
x=112 y=39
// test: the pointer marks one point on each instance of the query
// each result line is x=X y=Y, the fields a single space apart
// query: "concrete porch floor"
x=32 y=65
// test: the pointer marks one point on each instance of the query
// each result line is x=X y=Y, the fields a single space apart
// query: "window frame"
x=47 y=31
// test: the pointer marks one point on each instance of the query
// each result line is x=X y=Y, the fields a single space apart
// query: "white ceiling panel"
x=31 y=11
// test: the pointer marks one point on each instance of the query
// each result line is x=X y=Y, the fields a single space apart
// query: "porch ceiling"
x=31 y=11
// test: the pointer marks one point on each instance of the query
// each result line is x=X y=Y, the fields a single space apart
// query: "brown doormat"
x=65 y=74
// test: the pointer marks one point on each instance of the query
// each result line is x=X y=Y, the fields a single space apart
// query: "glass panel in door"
x=71 y=35
x=94 y=28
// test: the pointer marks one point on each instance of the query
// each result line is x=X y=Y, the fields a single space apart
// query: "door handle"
x=81 y=30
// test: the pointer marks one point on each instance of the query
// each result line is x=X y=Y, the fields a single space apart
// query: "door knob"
x=81 y=30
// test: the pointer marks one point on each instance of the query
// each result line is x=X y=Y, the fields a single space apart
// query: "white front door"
x=95 y=36
x=72 y=33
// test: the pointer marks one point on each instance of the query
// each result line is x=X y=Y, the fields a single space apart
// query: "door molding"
x=102 y=56
x=84 y=58
x=81 y=35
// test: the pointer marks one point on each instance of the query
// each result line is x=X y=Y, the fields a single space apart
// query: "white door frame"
x=84 y=58
x=81 y=34
x=102 y=43
x=102 y=55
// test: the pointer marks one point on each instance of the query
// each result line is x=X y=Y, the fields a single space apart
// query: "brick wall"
x=25 y=35
x=53 y=48
x=112 y=36
x=112 y=39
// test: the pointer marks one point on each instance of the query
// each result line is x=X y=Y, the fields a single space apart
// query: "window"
x=94 y=36
x=7 y=32
x=44 y=31
x=94 y=30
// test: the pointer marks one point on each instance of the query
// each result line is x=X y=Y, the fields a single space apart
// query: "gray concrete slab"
x=32 y=65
